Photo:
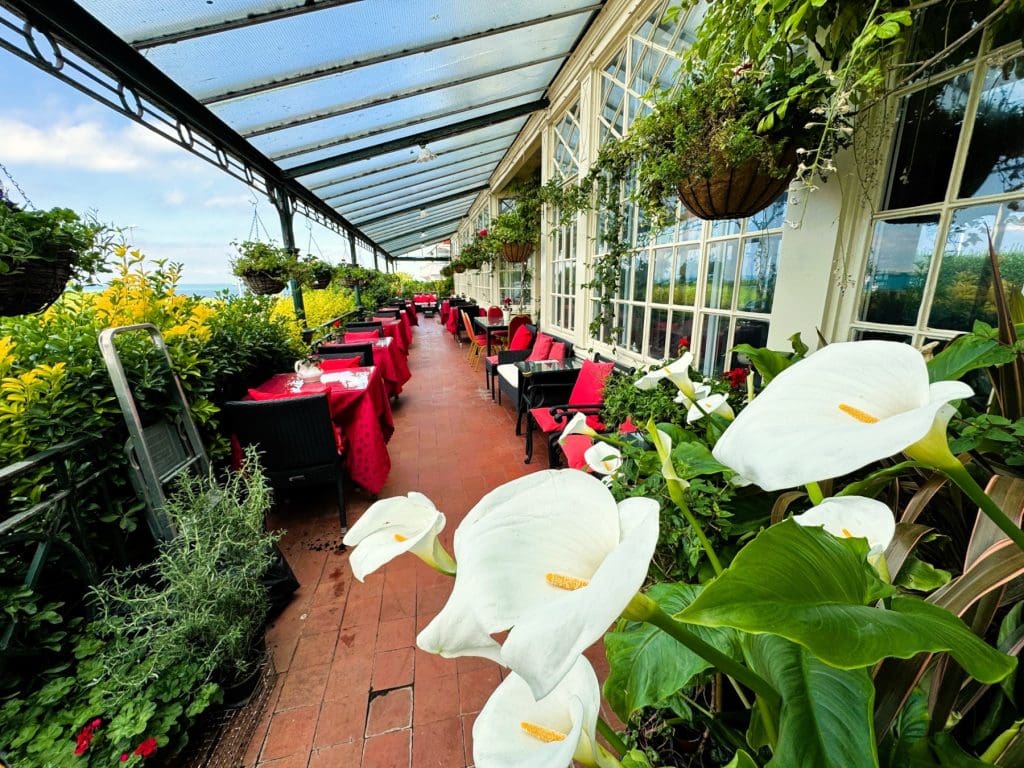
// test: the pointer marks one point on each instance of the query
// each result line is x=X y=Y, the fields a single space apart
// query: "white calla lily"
x=834 y=412
x=717 y=403
x=699 y=392
x=514 y=729
x=678 y=372
x=853 y=517
x=550 y=557
x=577 y=425
x=391 y=527
x=603 y=459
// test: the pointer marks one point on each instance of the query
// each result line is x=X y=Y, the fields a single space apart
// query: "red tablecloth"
x=395 y=329
x=391 y=363
x=410 y=310
x=362 y=418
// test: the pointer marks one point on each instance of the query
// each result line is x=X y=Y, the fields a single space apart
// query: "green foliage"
x=311 y=271
x=166 y=638
x=353 y=275
x=521 y=223
x=27 y=236
x=623 y=399
x=267 y=258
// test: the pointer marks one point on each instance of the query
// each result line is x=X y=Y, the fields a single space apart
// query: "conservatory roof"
x=343 y=97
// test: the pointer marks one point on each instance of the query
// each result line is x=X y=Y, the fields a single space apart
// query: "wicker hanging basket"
x=516 y=253
x=264 y=283
x=320 y=282
x=35 y=285
x=734 y=193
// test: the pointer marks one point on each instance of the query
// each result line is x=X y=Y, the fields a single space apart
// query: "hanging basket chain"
x=257 y=224
x=312 y=241
x=16 y=185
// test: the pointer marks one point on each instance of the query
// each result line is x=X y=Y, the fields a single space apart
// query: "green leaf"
x=941 y=751
x=825 y=717
x=741 y=760
x=920 y=576
x=768 y=363
x=816 y=590
x=967 y=353
x=692 y=459
x=648 y=666
x=635 y=759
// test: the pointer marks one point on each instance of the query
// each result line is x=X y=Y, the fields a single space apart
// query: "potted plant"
x=352 y=275
x=709 y=141
x=41 y=250
x=316 y=273
x=446 y=271
x=516 y=232
x=265 y=267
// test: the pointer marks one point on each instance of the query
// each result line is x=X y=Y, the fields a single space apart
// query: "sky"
x=65 y=149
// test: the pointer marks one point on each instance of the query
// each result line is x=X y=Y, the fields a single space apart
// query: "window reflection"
x=721 y=274
x=995 y=160
x=757 y=274
x=901 y=252
x=658 y=333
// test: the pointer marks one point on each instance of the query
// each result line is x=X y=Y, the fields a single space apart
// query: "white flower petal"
x=813 y=421
x=577 y=425
x=544 y=643
x=499 y=740
x=391 y=527
x=856 y=516
x=717 y=403
x=602 y=458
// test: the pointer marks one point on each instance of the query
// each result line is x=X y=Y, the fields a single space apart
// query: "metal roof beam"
x=418 y=224
x=382 y=204
x=404 y=163
x=463 y=126
x=415 y=233
x=240 y=22
x=440 y=201
x=419 y=120
x=400 y=195
x=415 y=219
x=377 y=101
x=97 y=44
x=404 y=53
x=427 y=173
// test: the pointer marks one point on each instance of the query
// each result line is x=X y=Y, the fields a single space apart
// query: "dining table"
x=360 y=411
x=395 y=329
x=392 y=364
x=490 y=326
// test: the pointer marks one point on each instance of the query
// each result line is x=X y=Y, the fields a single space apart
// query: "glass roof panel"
x=357 y=32
x=371 y=207
x=412 y=177
x=416 y=217
x=411 y=130
x=277 y=112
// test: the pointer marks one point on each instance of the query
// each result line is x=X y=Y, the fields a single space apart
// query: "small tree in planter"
x=265 y=267
x=41 y=250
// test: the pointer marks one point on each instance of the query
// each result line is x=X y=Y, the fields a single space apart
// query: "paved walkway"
x=354 y=691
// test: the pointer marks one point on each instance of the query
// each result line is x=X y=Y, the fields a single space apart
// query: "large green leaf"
x=941 y=751
x=741 y=760
x=647 y=666
x=825 y=716
x=816 y=590
x=967 y=353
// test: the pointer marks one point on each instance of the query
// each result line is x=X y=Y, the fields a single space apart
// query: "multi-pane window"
x=956 y=176
x=563 y=237
x=710 y=284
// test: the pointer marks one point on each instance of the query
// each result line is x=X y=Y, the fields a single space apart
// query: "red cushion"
x=589 y=386
x=547 y=423
x=541 y=347
x=259 y=394
x=356 y=337
x=557 y=351
x=521 y=339
x=574 y=447
x=339 y=364
x=492 y=359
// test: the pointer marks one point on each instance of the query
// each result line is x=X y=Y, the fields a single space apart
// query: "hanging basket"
x=353 y=282
x=35 y=285
x=320 y=282
x=734 y=193
x=459 y=268
x=516 y=253
x=264 y=283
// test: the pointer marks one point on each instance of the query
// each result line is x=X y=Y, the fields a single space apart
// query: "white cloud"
x=228 y=201
x=88 y=145
x=174 y=197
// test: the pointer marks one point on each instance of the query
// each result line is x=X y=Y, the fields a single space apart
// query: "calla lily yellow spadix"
x=577 y=425
x=391 y=527
x=550 y=557
x=836 y=411
x=514 y=729
x=677 y=372
x=603 y=459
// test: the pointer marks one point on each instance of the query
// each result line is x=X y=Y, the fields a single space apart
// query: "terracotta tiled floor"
x=354 y=690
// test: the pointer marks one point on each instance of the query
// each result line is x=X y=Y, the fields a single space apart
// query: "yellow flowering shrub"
x=321 y=307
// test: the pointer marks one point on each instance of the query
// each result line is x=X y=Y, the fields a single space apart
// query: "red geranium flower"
x=737 y=376
x=482 y=233
x=684 y=343
x=124 y=757
x=146 y=748
x=84 y=737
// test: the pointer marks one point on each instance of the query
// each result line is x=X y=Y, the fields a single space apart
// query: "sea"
x=206 y=290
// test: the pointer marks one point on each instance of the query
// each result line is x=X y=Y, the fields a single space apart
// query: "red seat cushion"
x=547 y=423
x=557 y=351
x=521 y=339
x=356 y=337
x=541 y=347
x=492 y=359
x=589 y=386
x=339 y=364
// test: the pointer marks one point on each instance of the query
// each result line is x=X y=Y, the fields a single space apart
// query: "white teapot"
x=308 y=372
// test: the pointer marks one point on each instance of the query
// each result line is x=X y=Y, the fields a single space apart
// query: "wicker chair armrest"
x=513 y=356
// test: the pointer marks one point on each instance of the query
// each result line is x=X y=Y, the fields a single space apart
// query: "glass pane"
x=714 y=345
x=725 y=227
x=662 y=276
x=935 y=28
x=636 y=330
x=964 y=289
x=995 y=160
x=752 y=332
x=640 y=264
x=690 y=227
x=757 y=274
x=897 y=268
x=862 y=334
x=926 y=142
x=721 y=274
x=685 y=289
x=682 y=332
x=657 y=334
x=771 y=217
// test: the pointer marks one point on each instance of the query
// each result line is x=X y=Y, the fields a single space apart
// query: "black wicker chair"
x=366 y=326
x=344 y=351
x=295 y=438
x=394 y=314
